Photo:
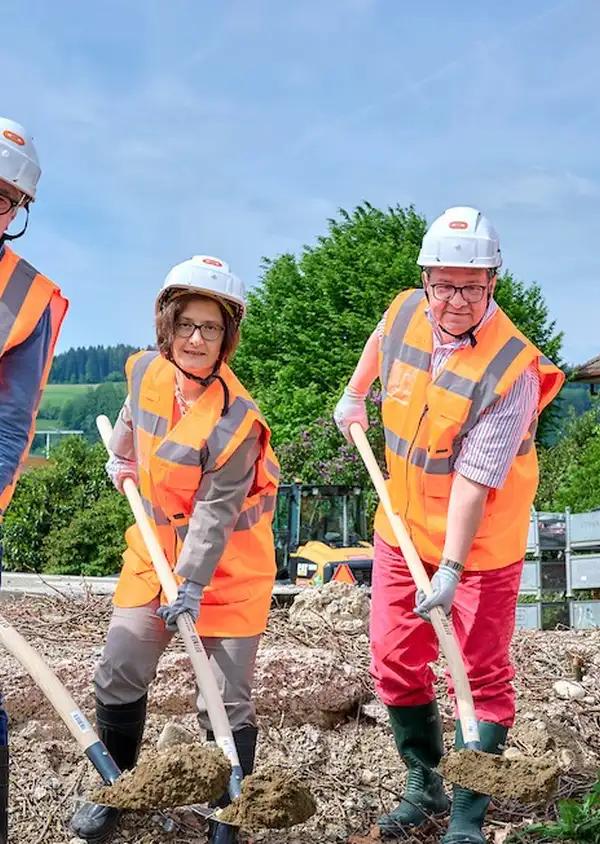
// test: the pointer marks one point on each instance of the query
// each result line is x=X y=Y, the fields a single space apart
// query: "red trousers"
x=403 y=645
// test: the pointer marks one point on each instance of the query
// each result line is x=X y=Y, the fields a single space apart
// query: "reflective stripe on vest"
x=25 y=295
x=13 y=297
x=217 y=442
x=393 y=346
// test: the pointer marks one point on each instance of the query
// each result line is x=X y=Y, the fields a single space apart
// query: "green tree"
x=69 y=492
x=309 y=319
x=570 y=470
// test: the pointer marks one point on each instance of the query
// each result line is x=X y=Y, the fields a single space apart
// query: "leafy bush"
x=93 y=542
x=576 y=822
x=67 y=495
x=570 y=470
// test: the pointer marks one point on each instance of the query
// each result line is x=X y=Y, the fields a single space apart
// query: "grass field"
x=59 y=394
x=42 y=424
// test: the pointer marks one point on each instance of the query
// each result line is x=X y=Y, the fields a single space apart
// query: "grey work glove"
x=443 y=583
x=189 y=595
x=351 y=408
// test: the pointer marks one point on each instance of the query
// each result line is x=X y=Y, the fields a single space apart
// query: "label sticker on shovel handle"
x=80 y=720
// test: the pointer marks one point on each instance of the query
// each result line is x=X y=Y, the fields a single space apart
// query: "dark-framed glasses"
x=471 y=293
x=7 y=203
x=209 y=331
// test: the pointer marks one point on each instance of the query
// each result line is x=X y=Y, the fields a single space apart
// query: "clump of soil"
x=175 y=776
x=270 y=800
x=530 y=781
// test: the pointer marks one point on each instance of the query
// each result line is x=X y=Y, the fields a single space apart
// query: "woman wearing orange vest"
x=32 y=309
x=462 y=391
x=199 y=448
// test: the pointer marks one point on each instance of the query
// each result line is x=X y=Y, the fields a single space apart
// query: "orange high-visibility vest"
x=171 y=460
x=426 y=420
x=24 y=296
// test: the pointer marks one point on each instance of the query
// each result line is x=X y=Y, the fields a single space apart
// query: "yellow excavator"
x=321 y=535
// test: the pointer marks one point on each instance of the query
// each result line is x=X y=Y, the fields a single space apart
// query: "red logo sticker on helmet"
x=12 y=136
x=458 y=224
x=212 y=261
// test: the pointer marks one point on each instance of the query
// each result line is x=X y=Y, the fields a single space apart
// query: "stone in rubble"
x=174 y=733
x=305 y=686
x=566 y=690
x=339 y=607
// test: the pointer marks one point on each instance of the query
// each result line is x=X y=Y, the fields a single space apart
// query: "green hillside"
x=75 y=407
x=56 y=395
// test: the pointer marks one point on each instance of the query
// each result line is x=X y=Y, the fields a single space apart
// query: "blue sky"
x=236 y=127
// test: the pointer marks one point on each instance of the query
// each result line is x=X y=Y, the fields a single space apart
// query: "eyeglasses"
x=7 y=203
x=471 y=293
x=209 y=331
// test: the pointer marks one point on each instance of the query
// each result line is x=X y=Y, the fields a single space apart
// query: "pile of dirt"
x=178 y=775
x=526 y=780
x=335 y=607
x=352 y=769
x=270 y=800
x=299 y=685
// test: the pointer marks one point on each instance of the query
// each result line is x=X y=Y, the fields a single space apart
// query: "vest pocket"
x=226 y=590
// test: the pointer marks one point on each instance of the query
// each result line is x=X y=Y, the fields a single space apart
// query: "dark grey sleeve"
x=219 y=502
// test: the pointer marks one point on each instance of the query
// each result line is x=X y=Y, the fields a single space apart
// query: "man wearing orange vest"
x=462 y=391
x=31 y=313
x=197 y=445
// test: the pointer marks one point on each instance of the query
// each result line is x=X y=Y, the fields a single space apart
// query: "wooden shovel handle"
x=60 y=699
x=204 y=676
x=441 y=624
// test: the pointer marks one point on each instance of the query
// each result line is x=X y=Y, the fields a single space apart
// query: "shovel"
x=205 y=678
x=527 y=780
x=61 y=700
x=64 y=705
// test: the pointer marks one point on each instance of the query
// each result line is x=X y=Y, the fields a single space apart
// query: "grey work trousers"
x=135 y=642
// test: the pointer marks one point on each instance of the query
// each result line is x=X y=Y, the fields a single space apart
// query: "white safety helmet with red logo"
x=208 y=275
x=19 y=163
x=461 y=237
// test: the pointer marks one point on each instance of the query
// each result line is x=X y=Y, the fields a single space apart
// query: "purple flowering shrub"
x=321 y=455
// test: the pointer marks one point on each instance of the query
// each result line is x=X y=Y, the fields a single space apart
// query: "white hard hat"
x=461 y=237
x=205 y=274
x=19 y=163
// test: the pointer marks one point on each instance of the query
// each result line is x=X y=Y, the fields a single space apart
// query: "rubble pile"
x=319 y=720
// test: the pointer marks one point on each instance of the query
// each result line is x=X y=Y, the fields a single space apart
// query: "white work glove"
x=443 y=583
x=119 y=468
x=351 y=407
x=189 y=595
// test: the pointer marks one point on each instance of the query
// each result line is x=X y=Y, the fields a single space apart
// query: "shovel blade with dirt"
x=148 y=782
x=527 y=780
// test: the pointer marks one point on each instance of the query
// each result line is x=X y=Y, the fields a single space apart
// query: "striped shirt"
x=490 y=447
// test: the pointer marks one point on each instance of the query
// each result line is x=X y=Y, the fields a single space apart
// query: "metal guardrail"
x=18 y=584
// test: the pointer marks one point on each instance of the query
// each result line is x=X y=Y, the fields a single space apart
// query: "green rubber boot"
x=469 y=807
x=418 y=734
